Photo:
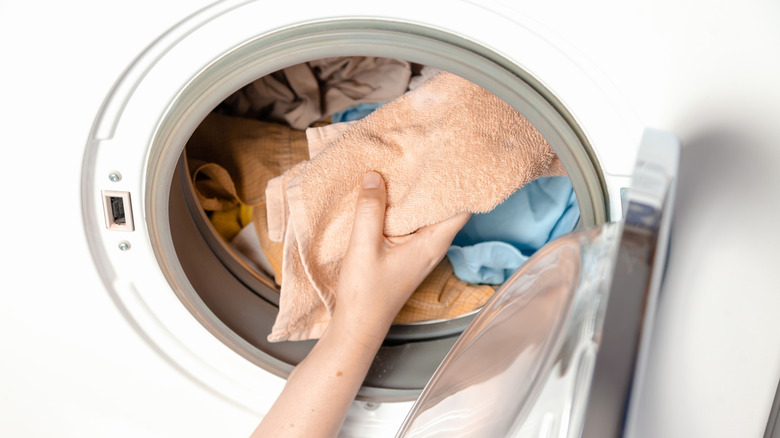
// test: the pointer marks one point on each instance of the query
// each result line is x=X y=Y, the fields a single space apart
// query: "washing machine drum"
x=197 y=299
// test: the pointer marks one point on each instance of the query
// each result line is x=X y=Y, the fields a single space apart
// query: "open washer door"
x=559 y=350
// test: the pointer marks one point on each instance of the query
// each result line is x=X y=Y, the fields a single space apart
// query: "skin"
x=378 y=275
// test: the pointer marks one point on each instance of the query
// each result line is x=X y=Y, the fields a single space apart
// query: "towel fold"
x=447 y=147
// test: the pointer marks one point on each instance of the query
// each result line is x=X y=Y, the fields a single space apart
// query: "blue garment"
x=357 y=112
x=493 y=245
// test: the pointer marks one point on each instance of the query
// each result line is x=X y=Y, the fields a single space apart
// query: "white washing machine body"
x=98 y=338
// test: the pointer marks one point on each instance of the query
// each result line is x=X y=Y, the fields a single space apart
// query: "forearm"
x=318 y=393
x=376 y=278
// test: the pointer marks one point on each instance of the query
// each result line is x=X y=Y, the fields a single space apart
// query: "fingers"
x=368 y=228
x=370 y=212
x=439 y=236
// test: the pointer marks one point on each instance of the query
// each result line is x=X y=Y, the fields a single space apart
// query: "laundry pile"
x=285 y=197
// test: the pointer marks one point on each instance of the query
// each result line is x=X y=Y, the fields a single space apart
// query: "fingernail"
x=371 y=180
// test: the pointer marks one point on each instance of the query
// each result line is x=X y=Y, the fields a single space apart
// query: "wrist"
x=364 y=330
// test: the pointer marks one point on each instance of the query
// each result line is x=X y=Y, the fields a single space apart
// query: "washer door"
x=200 y=313
x=567 y=333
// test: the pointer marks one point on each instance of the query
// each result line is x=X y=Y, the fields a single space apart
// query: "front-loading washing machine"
x=142 y=323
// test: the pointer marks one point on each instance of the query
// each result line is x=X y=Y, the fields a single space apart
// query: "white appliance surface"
x=707 y=71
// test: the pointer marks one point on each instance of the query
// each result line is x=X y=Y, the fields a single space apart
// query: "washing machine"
x=125 y=316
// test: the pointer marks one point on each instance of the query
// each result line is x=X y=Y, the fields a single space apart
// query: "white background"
x=705 y=70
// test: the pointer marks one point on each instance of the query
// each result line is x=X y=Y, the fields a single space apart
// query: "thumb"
x=368 y=228
x=435 y=239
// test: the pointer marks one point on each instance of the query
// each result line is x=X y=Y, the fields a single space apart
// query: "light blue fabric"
x=357 y=112
x=492 y=246
x=486 y=262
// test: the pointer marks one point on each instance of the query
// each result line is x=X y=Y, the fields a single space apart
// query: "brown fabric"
x=231 y=161
x=305 y=93
x=442 y=295
x=446 y=147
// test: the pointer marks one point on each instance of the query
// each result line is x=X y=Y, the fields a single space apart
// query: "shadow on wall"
x=727 y=190
x=716 y=322
x=719 y=167
x=727 y=211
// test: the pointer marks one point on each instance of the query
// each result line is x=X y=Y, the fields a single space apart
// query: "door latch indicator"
x=118 y=210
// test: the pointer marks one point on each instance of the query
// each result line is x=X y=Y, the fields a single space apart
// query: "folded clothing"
x=492 y=246
x=309 y=92
x=433 y=146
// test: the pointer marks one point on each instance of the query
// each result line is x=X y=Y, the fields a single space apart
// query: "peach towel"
x=446 y=147
x=232 y=159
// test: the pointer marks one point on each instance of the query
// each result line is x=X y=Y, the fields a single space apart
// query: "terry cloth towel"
x=446 y=147
x=440 y=296
x=305 y=93
x=231 y=159
x=492 y=246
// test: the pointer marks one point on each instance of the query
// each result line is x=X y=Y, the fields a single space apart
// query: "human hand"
x=377 y=276
x=379 y=273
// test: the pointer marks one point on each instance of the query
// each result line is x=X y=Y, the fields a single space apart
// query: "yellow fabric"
x=228 y=223
x=231 y=161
